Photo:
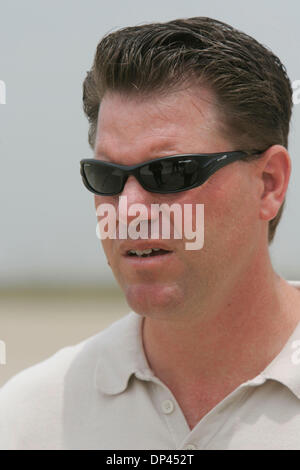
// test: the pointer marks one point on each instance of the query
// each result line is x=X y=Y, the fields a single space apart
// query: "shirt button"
x=167 y=406
x=190 y=447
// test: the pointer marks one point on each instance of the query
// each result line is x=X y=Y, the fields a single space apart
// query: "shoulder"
x=51 y=371
x=32 y=401
x=33 y=398
x=37 y=377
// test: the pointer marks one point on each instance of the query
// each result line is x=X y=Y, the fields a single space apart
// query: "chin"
x=156 y=300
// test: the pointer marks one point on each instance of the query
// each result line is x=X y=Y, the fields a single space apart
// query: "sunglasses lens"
x=104 y=179
x=169 y=175
x=164 y=175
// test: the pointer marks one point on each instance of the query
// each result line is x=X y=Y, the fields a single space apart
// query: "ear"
x=274 y=171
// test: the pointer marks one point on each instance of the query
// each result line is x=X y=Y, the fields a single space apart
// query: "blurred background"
x=56 y=288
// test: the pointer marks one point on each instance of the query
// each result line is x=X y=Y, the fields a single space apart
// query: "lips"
x=147 y=253
x=141 y=245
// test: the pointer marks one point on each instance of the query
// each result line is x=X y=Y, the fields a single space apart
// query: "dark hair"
x=253 y=92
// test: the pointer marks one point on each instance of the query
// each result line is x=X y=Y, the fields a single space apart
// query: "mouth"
x=148 y=253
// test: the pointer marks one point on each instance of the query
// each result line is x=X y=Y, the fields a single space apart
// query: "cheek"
x=107 y=247
x=231 y=208
x=108 y=221
x=231 y=219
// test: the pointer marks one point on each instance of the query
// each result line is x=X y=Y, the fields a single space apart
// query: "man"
x=208 y=358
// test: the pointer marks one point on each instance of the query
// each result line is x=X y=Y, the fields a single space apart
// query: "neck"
x=232 y=338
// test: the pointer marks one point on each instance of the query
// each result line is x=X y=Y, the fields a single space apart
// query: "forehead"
x=174 y=123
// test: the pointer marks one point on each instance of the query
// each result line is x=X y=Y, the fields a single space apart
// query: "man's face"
x=132 y=131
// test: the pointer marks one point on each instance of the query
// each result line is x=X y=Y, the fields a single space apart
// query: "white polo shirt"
x=101 y=394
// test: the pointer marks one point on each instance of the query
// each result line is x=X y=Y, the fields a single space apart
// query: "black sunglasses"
x=163 y=175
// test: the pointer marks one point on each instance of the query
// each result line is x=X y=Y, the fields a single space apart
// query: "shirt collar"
x=122 y=354
x=285 y=367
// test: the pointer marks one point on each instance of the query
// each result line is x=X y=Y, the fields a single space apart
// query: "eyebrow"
x=156 y=151
x=100 y=154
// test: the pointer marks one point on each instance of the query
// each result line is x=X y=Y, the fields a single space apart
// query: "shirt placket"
x=208 y=427
x=168 y=408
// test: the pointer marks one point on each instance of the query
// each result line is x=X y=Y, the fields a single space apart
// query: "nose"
x=134 y=201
